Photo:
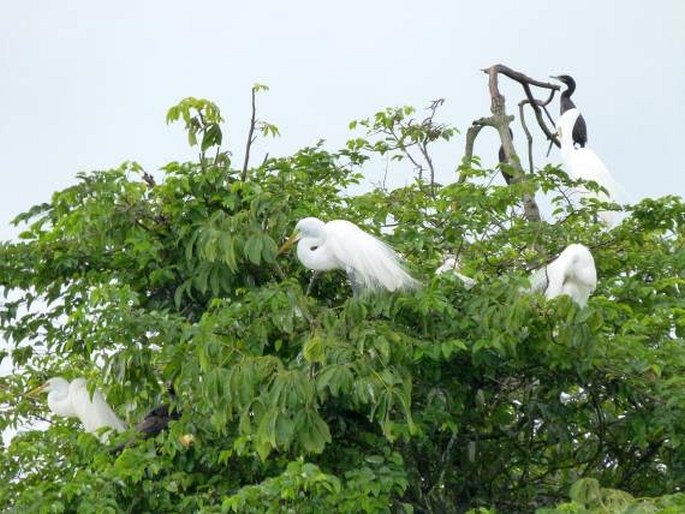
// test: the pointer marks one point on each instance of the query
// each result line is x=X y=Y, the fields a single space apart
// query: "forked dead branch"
x=500 y=121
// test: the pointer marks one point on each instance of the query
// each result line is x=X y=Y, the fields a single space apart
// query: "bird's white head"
x=55 y=384
x=306 y=227
x=58 y=396
x=310 y=227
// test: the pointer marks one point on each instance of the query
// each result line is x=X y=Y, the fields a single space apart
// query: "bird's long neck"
x=60 y=403
x=566 y=103
x=314 y=255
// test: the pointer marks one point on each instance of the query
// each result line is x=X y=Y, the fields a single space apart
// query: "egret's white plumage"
x=73 y=400
x=573 y=273
x=584 y=163
x=451 y=265
x=340 y=244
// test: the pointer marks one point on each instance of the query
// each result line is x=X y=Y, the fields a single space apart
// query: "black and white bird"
x=580 y=128
x=583 y=163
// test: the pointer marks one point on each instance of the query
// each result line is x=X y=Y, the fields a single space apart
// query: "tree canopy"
x=302 y=398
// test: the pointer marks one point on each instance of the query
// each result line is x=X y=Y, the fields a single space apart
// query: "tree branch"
x=500 y=120
x=250 y=136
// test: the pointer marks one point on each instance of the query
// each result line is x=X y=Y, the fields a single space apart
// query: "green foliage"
x=440 y=400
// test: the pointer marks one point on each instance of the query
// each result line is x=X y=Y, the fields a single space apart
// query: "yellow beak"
x=291 y=241
x=36 y=391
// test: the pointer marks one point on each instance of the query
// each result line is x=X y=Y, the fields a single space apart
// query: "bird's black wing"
x=156 y=421
x=580 y=132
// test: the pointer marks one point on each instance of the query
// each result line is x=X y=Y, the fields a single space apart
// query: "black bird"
x=579 y=129
x=154 y=422
x=157 y=420
x=503 y=160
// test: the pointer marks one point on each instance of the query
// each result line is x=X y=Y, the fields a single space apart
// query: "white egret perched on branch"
x=339 y=244
x=566 y=104
x=583 y=163
x=573 y=273
x=72 y=400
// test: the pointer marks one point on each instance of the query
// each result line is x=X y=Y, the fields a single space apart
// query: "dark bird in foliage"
x=503 y=160
x=157 y=420
x=579 y=129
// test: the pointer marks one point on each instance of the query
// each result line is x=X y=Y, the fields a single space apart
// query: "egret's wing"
x=572 y=273
x=93 y=412
x=556 y=274
x=539 y=280
x=583 y=271
x=372 y=263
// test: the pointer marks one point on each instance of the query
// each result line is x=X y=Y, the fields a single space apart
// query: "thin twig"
x=250 y=137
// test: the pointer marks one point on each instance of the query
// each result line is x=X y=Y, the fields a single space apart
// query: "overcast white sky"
x=86 y=85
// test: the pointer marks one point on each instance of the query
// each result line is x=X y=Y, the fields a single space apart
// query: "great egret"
x=573 y=273
x=583 y=162
x=73 y=400
x=339 y=244
x=452 y=265
x=566 y=104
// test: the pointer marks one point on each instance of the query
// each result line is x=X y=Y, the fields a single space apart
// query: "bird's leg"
x=311 y=282
x=354 y=283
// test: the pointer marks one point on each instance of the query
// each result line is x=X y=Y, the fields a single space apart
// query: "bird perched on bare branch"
x=566 y=104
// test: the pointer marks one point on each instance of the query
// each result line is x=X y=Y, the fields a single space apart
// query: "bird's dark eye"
x=313 y=248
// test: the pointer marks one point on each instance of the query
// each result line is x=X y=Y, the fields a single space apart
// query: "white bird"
x=583 y=163
x=573 y=273
x=72 y=400
x=451 y=264
x=339 y=244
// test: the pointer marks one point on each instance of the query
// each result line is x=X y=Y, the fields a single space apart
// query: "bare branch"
x=250 y=136
x=500 y=120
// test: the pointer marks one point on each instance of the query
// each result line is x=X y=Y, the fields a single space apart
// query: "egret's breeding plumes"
x=566 y=104
x=584 y=163
x=73 y=400
x=573 y=273
x=370 y=264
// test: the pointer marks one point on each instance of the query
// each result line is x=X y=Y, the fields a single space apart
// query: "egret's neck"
x=314 y=255
x=60 y=403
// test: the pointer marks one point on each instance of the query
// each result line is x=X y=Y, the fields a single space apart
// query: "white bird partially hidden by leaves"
x=583 y=163
x=452 y=265
x=369 y=263
x=72 y=400
x=573 y=273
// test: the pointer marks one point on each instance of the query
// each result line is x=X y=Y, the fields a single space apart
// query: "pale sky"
x=86 y=85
